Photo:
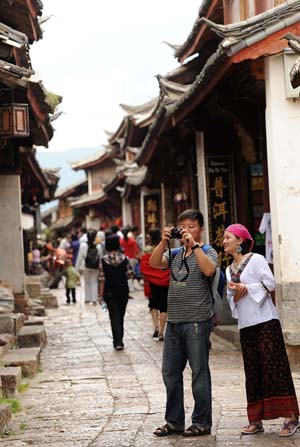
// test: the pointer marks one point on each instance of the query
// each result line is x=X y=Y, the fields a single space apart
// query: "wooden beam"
x=201 y=95
x=266 y=47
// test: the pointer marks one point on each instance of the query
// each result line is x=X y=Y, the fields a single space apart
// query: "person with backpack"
x=189 y=324
x=269 y=384
x=115 y=270
x=87 y=263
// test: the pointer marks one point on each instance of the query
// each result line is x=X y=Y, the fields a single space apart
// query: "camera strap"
x=183 y=262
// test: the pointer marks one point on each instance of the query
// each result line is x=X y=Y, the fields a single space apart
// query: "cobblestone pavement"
x=89 y=395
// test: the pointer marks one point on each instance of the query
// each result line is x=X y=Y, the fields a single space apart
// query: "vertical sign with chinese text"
x=151 y=212
x=219 y=180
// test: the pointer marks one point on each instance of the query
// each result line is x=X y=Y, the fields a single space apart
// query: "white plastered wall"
x=11 y=240
x=283 y=148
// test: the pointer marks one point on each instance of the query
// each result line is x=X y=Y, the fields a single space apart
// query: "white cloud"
x=97 y=54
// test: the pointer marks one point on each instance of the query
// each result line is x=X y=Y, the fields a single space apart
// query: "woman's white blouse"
x=256 y=306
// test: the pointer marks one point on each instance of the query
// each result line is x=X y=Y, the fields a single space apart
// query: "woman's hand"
x=239 y=289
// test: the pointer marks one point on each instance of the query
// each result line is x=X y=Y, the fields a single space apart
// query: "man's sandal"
x=167 y=430
x=289 y=429
x=196 y=430
x=253 y=428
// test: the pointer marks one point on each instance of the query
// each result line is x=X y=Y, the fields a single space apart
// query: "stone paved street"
x=89 y=395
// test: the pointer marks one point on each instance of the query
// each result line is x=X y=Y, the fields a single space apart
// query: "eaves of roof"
x=69 y=190
x=16 y=75
x=49 y=211
x=63 y=222
x=186 y=49
x=94 y=160
x=23 y=15
x=119 y=133
x=244 y=35
x=153 y=133
x=11 y=37
x=114 y=183
x=136 y=176
x=89 y=199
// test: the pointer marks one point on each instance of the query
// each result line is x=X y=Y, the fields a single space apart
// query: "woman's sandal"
x=289 y=429
x=195 y=430
x=253 y=428
x=167 y=430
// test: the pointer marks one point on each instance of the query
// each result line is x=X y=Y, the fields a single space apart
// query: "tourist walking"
x=87 y=263
x=72 y=278
x=132 y=251
x=75 y=244
x=158 y=282
x=269 y=384
x=189 y=324
x=114 y=272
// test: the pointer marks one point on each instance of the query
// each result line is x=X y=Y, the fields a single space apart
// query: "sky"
x=98 y=54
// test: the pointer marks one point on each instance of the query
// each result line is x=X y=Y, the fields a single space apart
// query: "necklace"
x=236 y=266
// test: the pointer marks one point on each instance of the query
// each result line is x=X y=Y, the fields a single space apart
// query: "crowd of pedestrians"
x=179 y=283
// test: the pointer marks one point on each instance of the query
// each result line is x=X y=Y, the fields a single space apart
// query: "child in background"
x=72 y=279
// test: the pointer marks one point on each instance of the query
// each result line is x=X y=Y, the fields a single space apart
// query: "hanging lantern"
x=14 y=120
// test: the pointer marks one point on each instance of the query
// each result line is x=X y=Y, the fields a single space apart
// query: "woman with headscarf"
x=269 y=384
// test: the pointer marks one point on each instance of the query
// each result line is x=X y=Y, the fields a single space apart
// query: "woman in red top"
x=158 y=281
x=132 y=251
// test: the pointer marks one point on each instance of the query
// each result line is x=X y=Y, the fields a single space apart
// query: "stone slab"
x=37 y=310
x=5 y=417
x=11 y=379
x=18 y=320
x=49 y=300
x=27 y=358
x=8 y=341
x=6 y=324
x=34 y=321
x=31 y=336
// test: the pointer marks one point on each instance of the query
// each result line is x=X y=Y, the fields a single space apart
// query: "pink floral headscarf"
x=240 y=231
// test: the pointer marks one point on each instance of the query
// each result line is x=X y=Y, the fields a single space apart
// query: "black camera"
x=175 y=233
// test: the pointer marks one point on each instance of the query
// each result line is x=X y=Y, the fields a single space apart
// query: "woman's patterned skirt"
x=269 y=384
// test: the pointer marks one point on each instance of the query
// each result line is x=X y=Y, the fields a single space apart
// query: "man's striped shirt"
x=190 y=300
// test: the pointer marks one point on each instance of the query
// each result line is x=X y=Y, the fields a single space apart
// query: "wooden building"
x=98 y=208
x=66 y=217
x=25 y=115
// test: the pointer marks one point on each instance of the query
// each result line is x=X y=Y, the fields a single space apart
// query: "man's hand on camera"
x=187 y=238
x=166 y=234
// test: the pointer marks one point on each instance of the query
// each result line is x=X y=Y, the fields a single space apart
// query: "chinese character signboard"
x=152 y=212
x=220 y=201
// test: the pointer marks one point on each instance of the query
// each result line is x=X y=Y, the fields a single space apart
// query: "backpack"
x=92 y=258
x=216 y=285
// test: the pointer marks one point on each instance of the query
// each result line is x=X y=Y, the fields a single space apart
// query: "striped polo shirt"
x=189 y=300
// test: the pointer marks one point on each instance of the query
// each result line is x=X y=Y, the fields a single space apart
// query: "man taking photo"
x=189 y=324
